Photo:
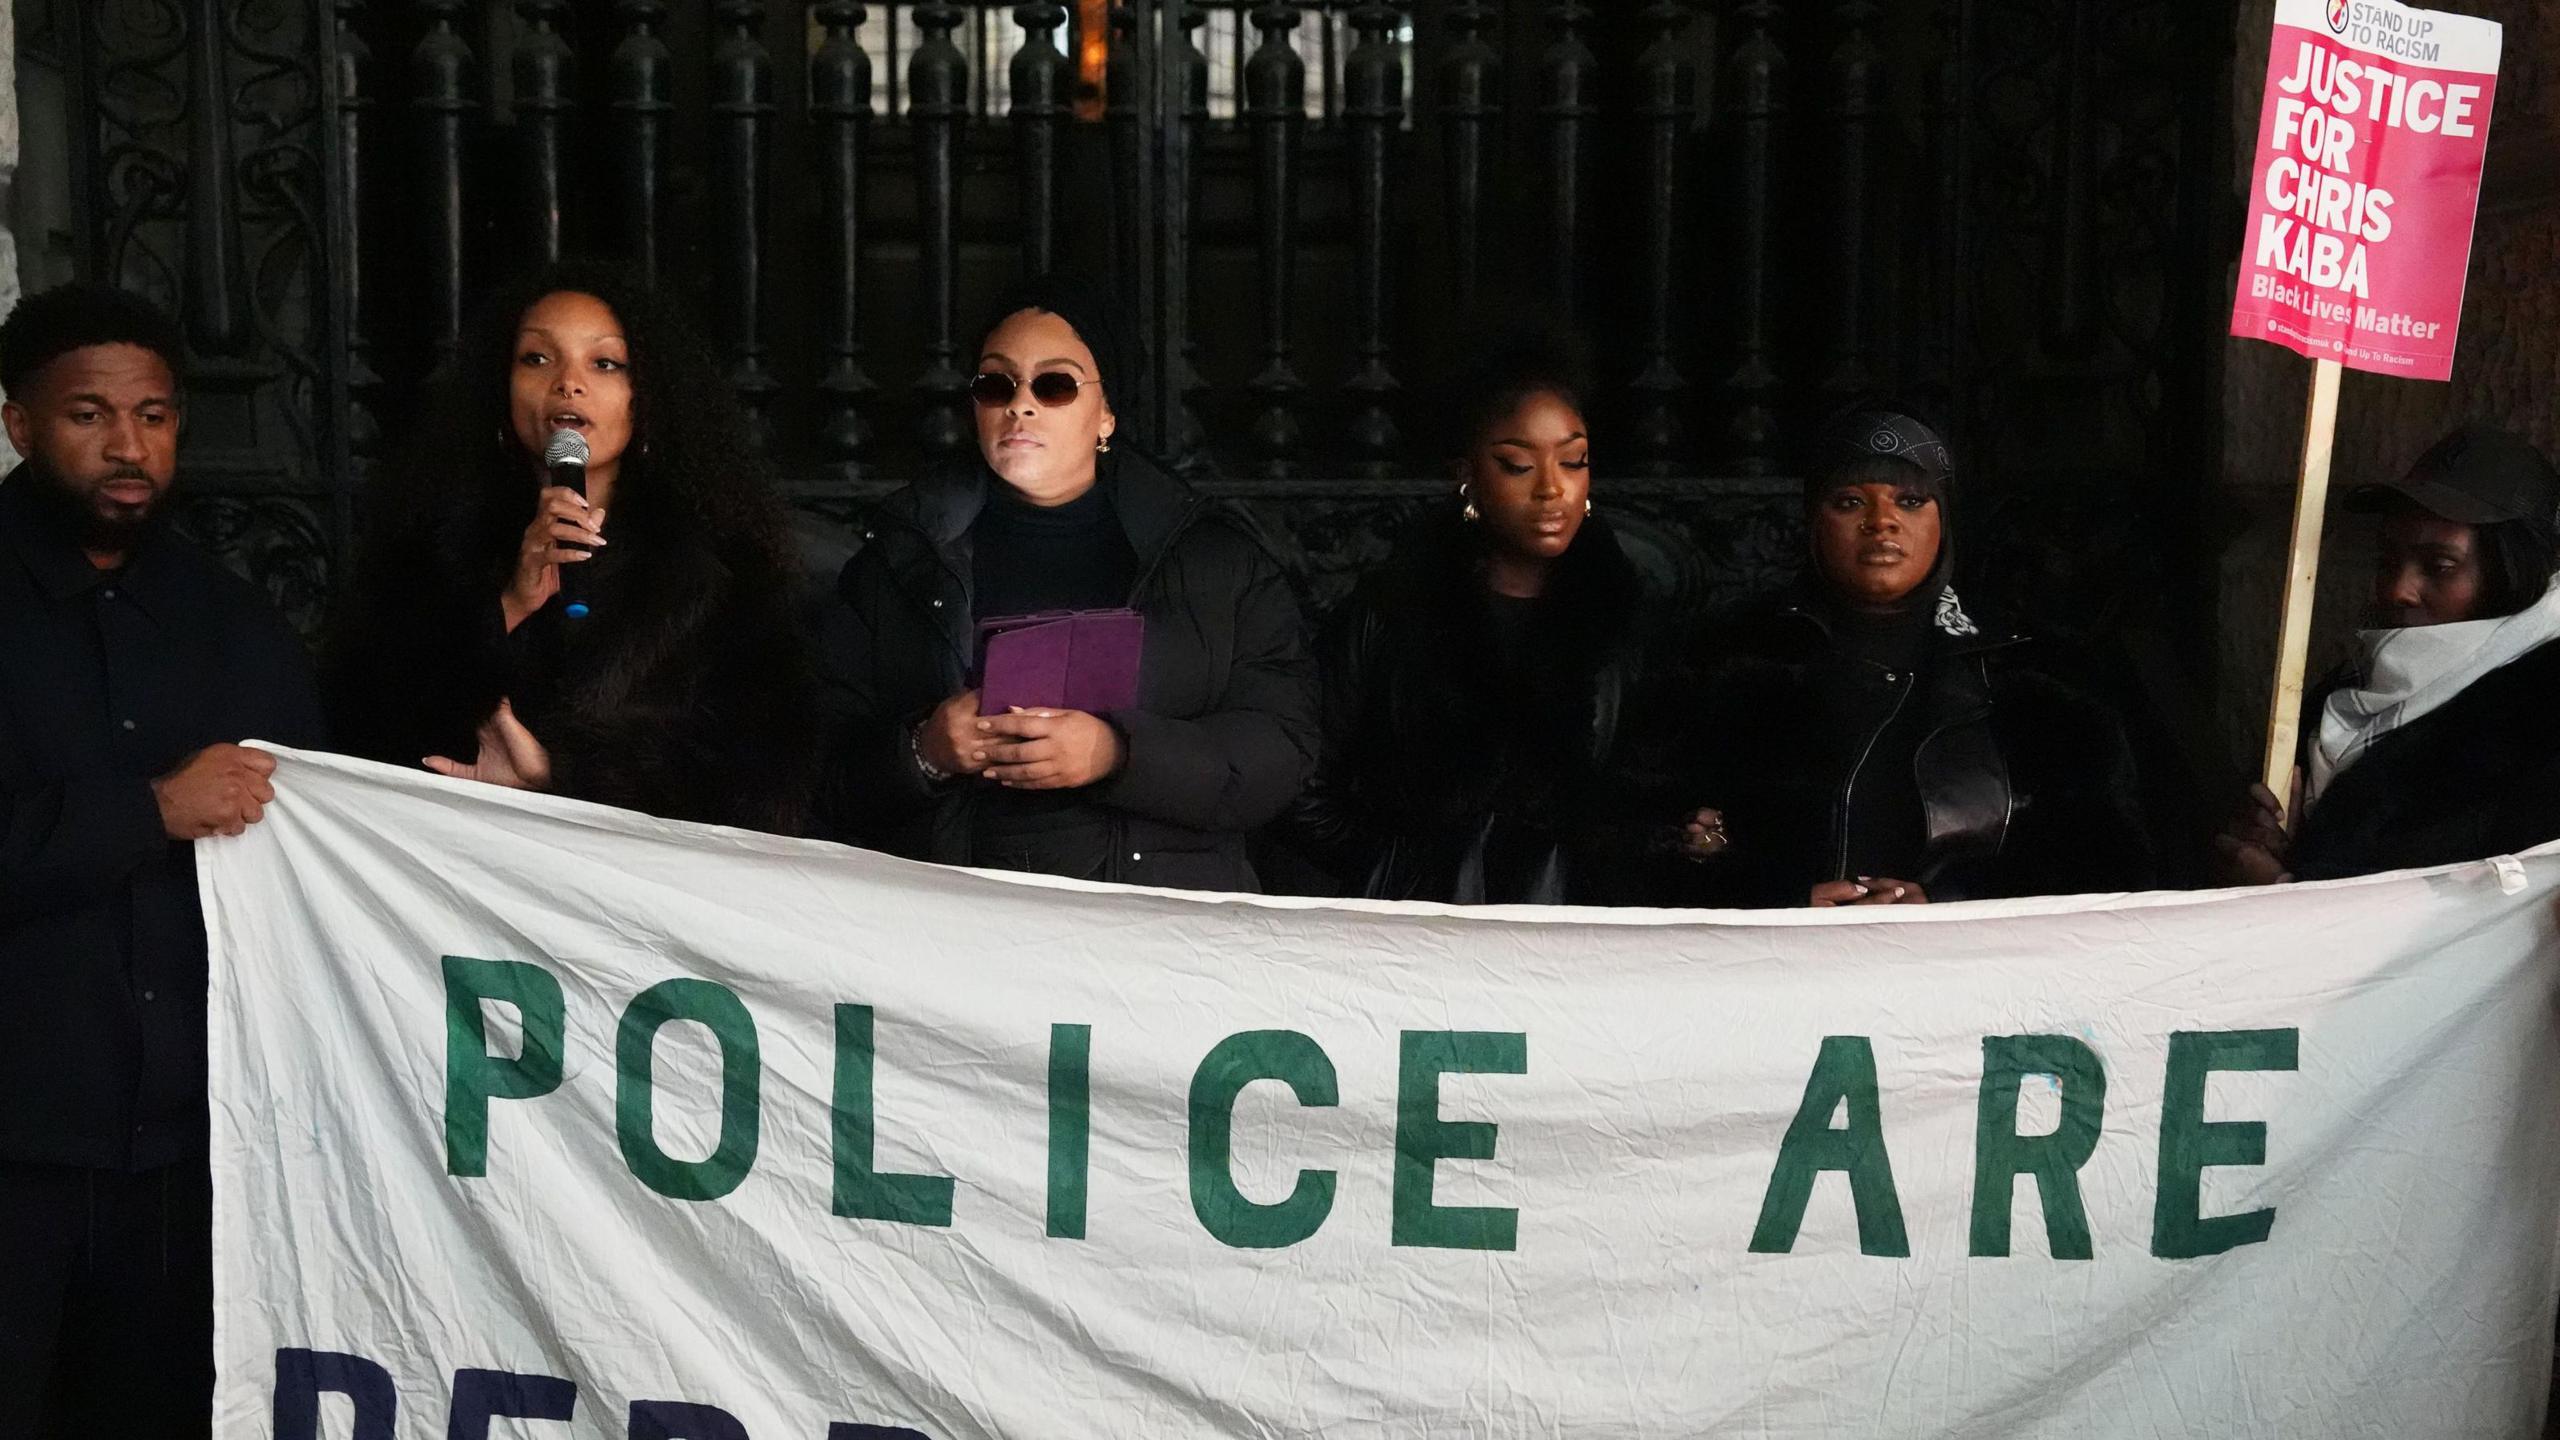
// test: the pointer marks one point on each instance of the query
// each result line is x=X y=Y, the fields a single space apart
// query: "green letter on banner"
x=863 y=1193
x=1070 y=1127
x=2189 y=1142
x=472 y=1076
x=2001 y=1154
x=635 y=1060
x=1844 y=1071
x=1423 y=1139
x=1234 y=1063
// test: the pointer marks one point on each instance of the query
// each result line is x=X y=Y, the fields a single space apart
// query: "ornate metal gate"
x=1755 y=207
x=201 y=157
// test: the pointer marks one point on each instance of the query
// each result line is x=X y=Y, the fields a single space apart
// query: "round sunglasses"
x=1052 y=388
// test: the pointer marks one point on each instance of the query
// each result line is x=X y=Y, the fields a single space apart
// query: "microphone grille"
x=567 y=447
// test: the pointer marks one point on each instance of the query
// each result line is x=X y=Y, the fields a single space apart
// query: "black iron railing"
x=838 y=182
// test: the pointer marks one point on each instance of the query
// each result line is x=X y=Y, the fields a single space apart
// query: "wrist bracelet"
x=933 y=773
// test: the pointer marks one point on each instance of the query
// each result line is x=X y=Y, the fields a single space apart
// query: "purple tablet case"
x=1061 y=660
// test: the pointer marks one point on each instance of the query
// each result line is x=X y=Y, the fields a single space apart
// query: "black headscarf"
x=1098 y=319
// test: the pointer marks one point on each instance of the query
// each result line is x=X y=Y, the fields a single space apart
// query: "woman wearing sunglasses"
x=1057 y=512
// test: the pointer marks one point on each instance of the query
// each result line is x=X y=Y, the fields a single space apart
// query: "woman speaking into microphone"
x=620 y=630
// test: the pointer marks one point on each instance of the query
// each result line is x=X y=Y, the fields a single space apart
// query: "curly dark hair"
x=686 y=698
x=689 y=465
x=52 y=323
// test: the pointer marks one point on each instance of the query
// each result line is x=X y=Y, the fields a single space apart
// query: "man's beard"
x=83 y=514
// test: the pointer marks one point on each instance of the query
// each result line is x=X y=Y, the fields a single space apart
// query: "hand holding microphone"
x=566 y=458
x=564 y=533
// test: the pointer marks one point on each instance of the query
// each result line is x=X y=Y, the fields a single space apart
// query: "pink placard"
x=2367 y=182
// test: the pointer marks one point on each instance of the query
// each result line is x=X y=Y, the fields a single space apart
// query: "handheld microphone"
x=565 y=456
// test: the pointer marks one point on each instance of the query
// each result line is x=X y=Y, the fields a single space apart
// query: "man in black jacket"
x=130 y=662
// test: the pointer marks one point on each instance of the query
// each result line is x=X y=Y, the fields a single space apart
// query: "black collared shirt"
x=109 y=678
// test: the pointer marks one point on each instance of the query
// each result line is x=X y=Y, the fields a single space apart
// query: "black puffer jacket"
x=2477 y=777
x=1448 y=775
x=1221 y=740
x=2026 y=787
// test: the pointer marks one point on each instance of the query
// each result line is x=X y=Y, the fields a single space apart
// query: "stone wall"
x=2506 y=370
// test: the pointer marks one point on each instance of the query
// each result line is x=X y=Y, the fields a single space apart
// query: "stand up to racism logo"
x=2338 y=16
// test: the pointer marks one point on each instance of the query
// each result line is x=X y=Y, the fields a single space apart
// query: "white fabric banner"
x=534 y=1118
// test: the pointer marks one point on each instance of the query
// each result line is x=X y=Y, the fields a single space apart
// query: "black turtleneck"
x=1029 y=558
x=1898 y=640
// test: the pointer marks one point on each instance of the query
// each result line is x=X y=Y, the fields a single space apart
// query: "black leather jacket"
x=2025 y=786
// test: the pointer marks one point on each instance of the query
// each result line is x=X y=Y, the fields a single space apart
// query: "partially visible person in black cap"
x=1861 y=740
x=2433 y=743
x=1058 y=511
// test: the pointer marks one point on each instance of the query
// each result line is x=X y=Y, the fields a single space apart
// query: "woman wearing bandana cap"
x=1864 y=741
x=2433 y=744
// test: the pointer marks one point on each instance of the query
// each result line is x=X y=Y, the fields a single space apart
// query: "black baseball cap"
x=2478 y=475
x=1876 y=433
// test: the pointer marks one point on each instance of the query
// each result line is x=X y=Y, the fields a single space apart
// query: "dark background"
x=2021 y=214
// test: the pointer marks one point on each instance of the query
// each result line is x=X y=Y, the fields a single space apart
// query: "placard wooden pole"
x=2301 y=580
